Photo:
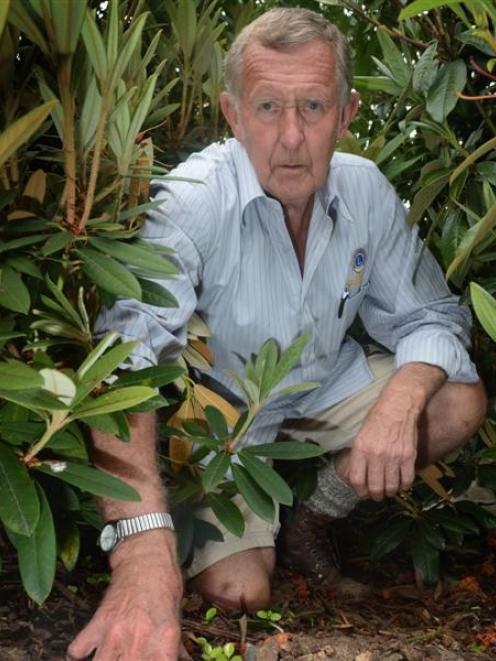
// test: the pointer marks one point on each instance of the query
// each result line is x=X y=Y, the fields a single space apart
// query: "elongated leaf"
x=22 y=129
x=130 y=42
x=393 y=57
x=34 y=400
x=424 y=198
x=425 y=560
x=95 y=47
x=90 y=479
x=267 y=478
x=216 y=470
x=56 y=242
x=154 y=294
x=22 y=264
x=145 y=257
x=216 y=422
x=110 y=423
x=155 y=377
x=389 y=538
x=472 y=238
x=14 y=295
x=19 y=504
x=286 y=450
x=474 y=156
x=15 y=375
x=419 y=6
x=63 y=301
x=108 y=274
x=21 y=17
x=67 y=18
x=59 y=384
x=37 y=554
x=227 y=512
x=485 y=309
x=70 y=544
x=256 y=499
x=105 y=365
x=288 y=359
x=442 y=96
x=4 y=10
x=375 y=84
x=115 y=400
x=95 y=354
x=425 y=70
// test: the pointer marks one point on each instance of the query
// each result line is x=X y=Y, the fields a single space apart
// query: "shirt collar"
x=250 y=189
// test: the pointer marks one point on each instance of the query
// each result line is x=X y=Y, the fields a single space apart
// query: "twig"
x=480 y=70
x=481 y=97
x=391 y=31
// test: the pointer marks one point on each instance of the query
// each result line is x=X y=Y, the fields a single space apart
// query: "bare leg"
x=239 y=582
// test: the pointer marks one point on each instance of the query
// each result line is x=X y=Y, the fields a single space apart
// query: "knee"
x=232 y=595
x=471 y=407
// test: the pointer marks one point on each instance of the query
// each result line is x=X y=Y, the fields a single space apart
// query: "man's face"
x=289 y=117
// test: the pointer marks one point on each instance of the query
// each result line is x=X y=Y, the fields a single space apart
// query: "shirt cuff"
x=437 y=348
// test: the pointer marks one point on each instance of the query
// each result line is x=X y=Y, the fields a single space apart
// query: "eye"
x=313 y=107
x=267 y=107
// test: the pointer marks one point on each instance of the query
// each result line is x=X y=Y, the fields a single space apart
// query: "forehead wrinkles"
x=307 y=65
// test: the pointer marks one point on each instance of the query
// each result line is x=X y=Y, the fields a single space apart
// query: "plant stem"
x=252 y=412
x=95 y=164
x=59 y=419
x=67 y=101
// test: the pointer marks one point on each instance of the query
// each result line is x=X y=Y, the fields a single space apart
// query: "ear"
x=231 y=113
x=348 y=113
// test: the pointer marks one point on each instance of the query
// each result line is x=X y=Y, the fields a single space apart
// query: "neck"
x=298 y=221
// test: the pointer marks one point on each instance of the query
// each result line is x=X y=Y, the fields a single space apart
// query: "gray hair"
x=282 y=28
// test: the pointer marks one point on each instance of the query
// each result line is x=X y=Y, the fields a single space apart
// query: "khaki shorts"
x=333 y=429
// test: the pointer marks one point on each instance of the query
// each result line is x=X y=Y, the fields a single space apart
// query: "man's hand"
x=382 y=459
x=139 y=615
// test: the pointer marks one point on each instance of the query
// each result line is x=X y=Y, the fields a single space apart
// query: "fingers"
x=84 y=643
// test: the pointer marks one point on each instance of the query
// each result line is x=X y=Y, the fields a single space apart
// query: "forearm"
x=135 y=463
x=411 y=387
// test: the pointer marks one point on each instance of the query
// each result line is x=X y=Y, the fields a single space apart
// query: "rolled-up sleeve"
x=162 y=331
x=408 y=307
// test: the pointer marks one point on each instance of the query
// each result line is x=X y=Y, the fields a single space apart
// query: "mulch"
x=393 y=620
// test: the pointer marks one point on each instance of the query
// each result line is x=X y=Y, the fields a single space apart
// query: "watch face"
x=108 y=537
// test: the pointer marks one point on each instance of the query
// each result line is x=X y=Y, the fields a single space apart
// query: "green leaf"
x=155 y=377
x=375 y=84
x=104 y=366
x=115 y=400
x=288 y=450
x=485 y=308
x=56 y=242
x=393 y=57
x=21 y=17
x=420 y=6
x=14 y=295
x=424 y=198
x=4 y=10
x=19 y=504
x=472 y=238
x=65 y=305
x=95 y=354
x=256 y=499
x=37 y=554
x=69 y=544
x=216 y=422
x=452 y=521
x=288 y=360
x=67 y=19
x=95 y=47
x=110 y=423
x=90 y=479
x=387 y=539
x=474 y=156
x=295 y=389
x=23 y=264
x=20 y=131
x=216 y=470
x=145 y=257
x=432 y=534
x=109 y=274
x=425 y=560
x=442 y=95
x=154 y=294
x=425 y=70
x=34 y=400
x=267 y=478
x=227 y=512
x=15 y=375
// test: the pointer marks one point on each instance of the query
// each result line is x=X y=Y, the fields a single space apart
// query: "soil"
x=385 y=617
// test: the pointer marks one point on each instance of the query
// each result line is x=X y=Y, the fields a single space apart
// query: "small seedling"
x=270 y=617
x=210 y=614
x=218 y=653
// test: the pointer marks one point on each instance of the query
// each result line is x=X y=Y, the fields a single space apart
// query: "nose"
x=291 y=133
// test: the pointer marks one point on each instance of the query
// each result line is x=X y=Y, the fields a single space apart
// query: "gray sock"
x=332 y=496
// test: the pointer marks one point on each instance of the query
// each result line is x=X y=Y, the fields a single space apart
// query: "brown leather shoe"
x=306 y=545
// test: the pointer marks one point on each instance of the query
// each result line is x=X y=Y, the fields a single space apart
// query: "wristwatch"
x=114 y=532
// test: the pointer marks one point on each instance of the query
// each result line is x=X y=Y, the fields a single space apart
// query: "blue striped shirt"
x=240 y=272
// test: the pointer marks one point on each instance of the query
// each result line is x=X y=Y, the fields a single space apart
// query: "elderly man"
x=280 y=239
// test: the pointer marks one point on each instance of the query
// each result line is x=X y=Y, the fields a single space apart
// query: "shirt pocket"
x=349 y=309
